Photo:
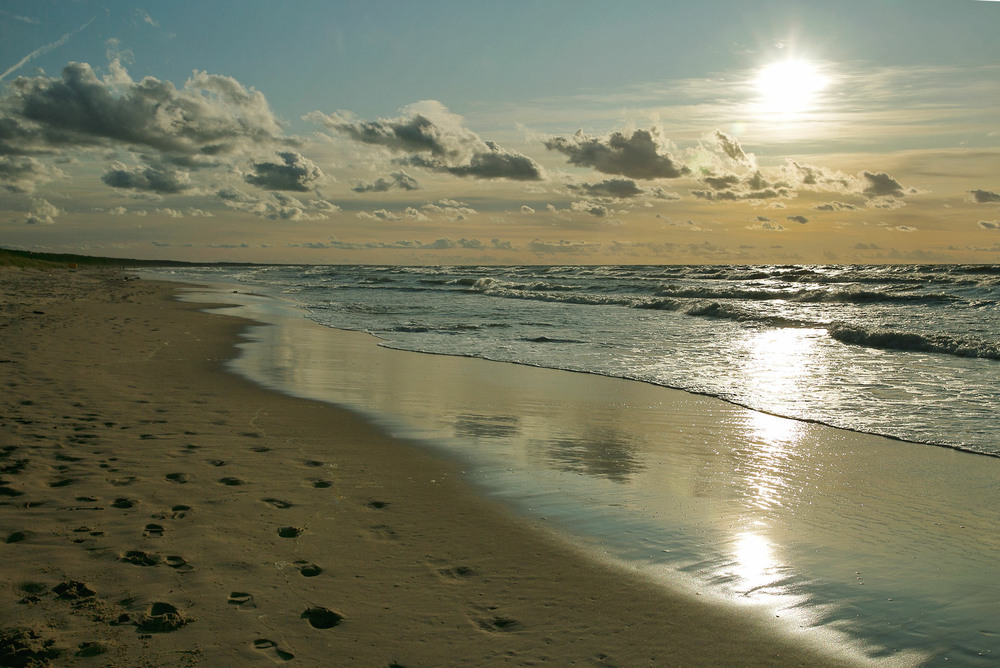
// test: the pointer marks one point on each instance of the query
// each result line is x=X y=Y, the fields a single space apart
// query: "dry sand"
x=157 y=510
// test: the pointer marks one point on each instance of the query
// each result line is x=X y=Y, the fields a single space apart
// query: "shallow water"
x=910 y=352
x=851 y=541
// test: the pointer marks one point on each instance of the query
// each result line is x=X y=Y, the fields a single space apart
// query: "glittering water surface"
x=910 y=352
x=886 y=547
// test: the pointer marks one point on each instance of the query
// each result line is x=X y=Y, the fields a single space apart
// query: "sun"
x=789 y=87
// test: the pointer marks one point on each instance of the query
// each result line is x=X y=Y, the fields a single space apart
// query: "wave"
x=911 y=341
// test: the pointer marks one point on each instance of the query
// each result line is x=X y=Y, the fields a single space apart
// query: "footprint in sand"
x=242 y=600
x=153 y=531
x=177 y=563
x=499 y=624
x=290 y=532
x=322 y=618
x=376 y=505
x=231 y=482
x=179 y=478
x=140 y=558
x=322 y=484
x=175 y=513
x=278 y=503
x=90 y=649
x=271 y=648
x=162 y=618
x=308 y=569
x=122 y=502
x=73 y=590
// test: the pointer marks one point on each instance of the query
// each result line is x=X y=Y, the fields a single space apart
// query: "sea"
x=907 y=352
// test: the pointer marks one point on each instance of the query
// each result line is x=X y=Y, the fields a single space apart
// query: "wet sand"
x=156 y=509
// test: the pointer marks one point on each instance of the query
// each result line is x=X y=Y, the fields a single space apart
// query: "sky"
x=520 y=132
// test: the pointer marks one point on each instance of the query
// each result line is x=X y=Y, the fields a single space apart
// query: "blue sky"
x=475 y=132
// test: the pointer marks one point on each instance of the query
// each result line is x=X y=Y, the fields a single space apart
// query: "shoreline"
x=835 y=531
x=159 y=509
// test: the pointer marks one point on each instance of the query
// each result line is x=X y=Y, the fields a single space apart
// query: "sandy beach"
x=158 y=510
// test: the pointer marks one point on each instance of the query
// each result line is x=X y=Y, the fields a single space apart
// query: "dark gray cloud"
x=211 y=115
x=618 y=188
x=494 y=163
x=984 y=196
x=990 y=224
x=880 y=184
x=743 y=194
x=802 y=220
x=149 y=178
x=721 y=182
x=400 y=180
x=639 y=156
x=295 y=172
x=436 y=139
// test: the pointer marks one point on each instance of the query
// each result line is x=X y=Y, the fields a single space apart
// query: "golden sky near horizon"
x=483 y=133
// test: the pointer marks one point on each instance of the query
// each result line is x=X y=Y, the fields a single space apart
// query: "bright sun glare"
x=789 y=87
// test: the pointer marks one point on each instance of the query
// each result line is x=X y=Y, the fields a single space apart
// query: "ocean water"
x=911 y=352
x=883 y=549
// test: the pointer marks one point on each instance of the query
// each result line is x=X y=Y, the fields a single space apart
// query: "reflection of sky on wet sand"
x=753 y=507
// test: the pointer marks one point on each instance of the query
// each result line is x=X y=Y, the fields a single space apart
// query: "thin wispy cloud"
x=43 y=50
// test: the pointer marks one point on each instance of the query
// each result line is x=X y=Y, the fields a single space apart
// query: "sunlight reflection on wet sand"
x=817 y=525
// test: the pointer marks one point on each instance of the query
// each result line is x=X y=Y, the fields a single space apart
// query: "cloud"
x=885 y=203
x=450 y=209
x=144 y=17
x=766 y=225
x=438 y=244
x=591 y=208
x=642 y=155
x=434 y=138
x=880 y=184
x=802 y=220
x=990 y=224
x=21 y=174
x=275 y=205
x=380 y=214
x=835 y=206
x=527 y=210
x=619 y=188
x=42 y=213
x=210 y=116
x=295 y=172
x=400 y=180
x=984 y=196
x=495 y=163
x=730 y=146
x=158 y=179
x=817 y=178
x=563 y=246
